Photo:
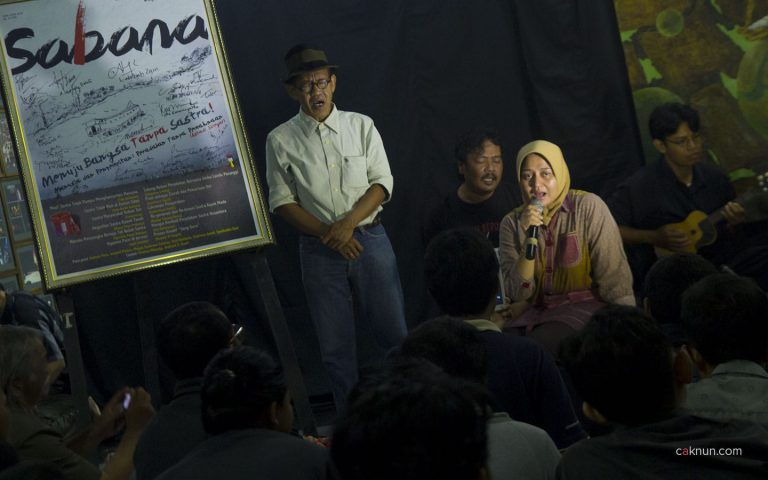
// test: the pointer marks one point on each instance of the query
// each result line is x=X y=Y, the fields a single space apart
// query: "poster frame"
x=42 y=229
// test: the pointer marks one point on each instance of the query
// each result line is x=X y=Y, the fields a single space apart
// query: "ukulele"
x=701 y=228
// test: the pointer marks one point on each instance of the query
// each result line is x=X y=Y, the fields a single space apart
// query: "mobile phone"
x=238 y=330
x=126 y=401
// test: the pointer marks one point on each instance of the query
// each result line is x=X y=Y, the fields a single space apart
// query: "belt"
x=359 y=229
x=374 y=222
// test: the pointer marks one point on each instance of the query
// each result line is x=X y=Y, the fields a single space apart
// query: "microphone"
x=532 y=235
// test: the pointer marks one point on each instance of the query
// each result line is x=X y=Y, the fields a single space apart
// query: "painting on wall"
x=711 y=55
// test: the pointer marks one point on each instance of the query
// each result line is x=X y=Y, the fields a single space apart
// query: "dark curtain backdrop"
x=424 y=70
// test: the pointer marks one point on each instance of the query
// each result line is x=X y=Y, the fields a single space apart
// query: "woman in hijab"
x=579 y=262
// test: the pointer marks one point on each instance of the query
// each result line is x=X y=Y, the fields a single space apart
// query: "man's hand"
x=339 y=233
x=733 y=213
x=672 y=238
x=350 y=250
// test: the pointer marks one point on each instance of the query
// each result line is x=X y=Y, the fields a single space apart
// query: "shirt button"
x=327 y=142
x=335 y=189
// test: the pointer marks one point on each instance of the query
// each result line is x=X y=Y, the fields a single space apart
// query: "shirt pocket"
x=570 y=250
x=354 y=172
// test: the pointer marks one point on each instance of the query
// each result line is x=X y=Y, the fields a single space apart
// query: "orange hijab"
x=554 y=157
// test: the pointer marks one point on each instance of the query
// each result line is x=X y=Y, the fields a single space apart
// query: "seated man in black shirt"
x=648 y=204
x=629 y=376
x=478 y=202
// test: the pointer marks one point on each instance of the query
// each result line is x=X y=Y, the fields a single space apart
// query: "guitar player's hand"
x=672 y=238
x=733 y=213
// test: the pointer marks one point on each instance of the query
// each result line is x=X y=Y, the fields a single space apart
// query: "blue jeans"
x=336 y=288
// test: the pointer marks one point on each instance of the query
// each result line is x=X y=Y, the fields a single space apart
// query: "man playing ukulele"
x=652 y=207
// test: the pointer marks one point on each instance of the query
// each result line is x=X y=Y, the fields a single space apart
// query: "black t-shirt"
x=452 y=212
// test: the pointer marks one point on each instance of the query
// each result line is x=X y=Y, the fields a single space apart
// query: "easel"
x=74 y=359
x=254 y=270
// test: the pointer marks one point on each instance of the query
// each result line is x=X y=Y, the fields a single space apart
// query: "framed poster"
x=128 y=133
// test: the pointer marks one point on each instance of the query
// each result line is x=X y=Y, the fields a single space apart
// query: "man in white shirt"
x=328 y=176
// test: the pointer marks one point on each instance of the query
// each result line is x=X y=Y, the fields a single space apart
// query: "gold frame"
x=44 y=233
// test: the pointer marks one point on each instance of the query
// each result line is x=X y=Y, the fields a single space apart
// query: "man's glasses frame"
x=307 y=87
x=694 y=140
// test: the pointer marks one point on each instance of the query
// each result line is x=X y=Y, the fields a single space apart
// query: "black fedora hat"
x=304 y=58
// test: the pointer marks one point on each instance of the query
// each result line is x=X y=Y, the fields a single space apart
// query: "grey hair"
x=17 y=344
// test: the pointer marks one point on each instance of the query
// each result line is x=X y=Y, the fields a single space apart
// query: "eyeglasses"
x=694 y=140
x=307 y=87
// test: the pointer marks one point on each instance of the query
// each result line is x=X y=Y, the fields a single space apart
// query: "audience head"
x=190 y=336
x=667 y=118
x=23 y=366
x=462 y=272
x=244 y=388
x=726 y=318
x=624 y=367
x=415 y=422
x=665 y=283
x=451 y=344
